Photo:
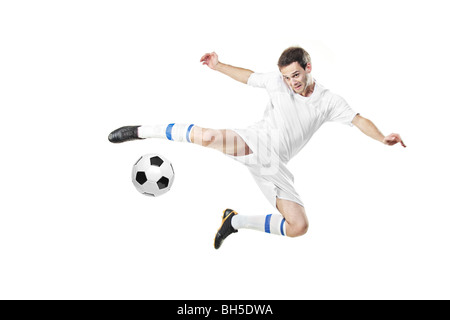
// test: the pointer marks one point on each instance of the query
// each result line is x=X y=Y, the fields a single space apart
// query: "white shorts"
x=270 y=173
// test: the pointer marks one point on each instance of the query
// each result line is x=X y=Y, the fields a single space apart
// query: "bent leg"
x=224 y=140
x=292 y=221
x=295 y=215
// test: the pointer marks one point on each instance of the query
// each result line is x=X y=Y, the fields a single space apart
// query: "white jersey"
x=296 y=118
x=290 y=120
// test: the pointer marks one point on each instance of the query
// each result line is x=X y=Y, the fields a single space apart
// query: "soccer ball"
x=152 y=175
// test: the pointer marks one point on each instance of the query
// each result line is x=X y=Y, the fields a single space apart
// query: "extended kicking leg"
x=226 y=141
x=174 y=132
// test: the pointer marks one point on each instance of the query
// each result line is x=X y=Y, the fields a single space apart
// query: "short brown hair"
x=294 y=54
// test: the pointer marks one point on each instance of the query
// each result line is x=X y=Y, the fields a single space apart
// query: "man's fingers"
x=393 y=139
x=205 y=56
x=396 y=138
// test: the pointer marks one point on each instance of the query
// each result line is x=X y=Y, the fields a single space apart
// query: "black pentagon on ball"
x=141 y=177
x=156 y=161
x=163 y=183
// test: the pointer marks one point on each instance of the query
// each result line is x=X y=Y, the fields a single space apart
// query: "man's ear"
x=308 y=67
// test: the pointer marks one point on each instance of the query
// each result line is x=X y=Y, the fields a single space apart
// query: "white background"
x=72 y=226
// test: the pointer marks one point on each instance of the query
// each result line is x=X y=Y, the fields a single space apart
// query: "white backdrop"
x=72 y=226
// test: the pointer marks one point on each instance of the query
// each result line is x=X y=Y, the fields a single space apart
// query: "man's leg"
x=295 y=215
x=226 y=141
x=292 y=222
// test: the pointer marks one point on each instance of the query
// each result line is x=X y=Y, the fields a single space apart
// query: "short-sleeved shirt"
x=295 y=117
x=289 y=121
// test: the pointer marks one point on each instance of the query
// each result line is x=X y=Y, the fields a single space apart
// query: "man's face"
x=296 y=77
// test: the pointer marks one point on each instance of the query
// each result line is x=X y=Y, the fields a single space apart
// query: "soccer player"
x=297 y=108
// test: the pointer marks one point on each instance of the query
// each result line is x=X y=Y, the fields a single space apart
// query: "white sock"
x=158 y=131
x=173 y=131
x=274 y=224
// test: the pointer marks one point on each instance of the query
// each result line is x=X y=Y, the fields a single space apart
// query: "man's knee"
x=295 y=215
x=297 y=228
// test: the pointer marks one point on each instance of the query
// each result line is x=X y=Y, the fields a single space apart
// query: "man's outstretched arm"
x=369 y=129
x=238 y=74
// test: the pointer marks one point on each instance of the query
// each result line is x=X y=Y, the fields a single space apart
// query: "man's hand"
x=368 y=128
x=238 y=74
x=211 y=60
x=392 y=139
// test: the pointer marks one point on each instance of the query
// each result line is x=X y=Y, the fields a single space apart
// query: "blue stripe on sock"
x=188 y=133
x=267 y=223
x=281 y=226
x=169 y=131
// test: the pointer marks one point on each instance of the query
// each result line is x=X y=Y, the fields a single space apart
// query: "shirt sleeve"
x=262 y=80
x=339 y=111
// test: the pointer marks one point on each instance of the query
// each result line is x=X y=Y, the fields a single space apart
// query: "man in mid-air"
x=298 y=107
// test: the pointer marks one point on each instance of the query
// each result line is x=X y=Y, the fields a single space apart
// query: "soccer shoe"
x=225 y=229
x=123 y=134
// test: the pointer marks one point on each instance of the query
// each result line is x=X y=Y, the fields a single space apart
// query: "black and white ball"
x=152 y=175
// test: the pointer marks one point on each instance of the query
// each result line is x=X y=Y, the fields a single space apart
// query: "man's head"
x=295 y=66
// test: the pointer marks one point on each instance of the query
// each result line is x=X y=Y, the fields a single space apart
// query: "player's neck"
x=309 y=89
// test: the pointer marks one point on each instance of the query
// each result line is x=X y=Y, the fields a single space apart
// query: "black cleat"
x=123 y=134
x=225 y=229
